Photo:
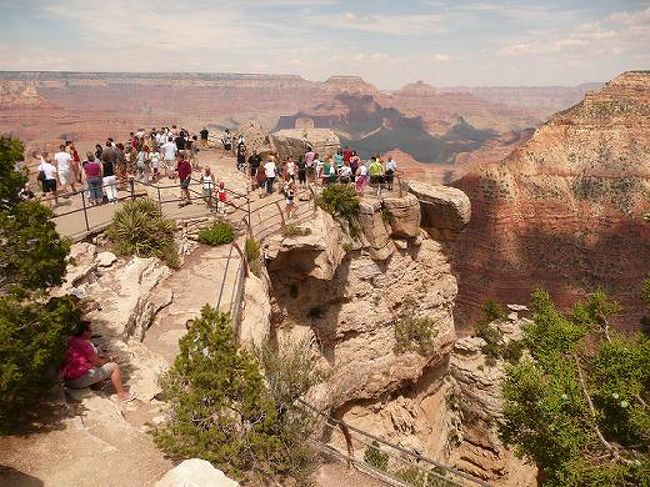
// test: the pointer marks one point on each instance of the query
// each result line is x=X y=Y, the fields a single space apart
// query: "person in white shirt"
x=345 y=174
x=169 y=149
x=47 y=175
x=269 y=170
x=155 y=157
x=63 y=161
x=391 y=169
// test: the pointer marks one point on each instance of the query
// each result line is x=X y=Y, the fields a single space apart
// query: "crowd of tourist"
x=172 y=153
x=147 y=156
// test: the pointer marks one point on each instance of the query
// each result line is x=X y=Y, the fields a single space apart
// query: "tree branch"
x=611 y=448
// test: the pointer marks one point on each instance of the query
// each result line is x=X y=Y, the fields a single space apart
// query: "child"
x=154 y=158
x=221 y=196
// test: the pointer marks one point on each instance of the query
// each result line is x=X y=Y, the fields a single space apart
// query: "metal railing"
x=401 y=465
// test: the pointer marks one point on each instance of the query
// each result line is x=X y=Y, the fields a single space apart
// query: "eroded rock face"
x=477 y=395
x=565 y=210
x=349 y=318
x=445 y=211
x=195 y=473
x=316 y=254
x=404 y=215
x=293 y=143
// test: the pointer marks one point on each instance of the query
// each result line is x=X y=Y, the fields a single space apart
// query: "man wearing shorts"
x=83 y=366
x=47 y=177
x=169 y=151
x=184 y=170
x=63 y=161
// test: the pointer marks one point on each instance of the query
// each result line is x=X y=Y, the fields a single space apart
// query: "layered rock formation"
x=565 y=209
x=293 y=143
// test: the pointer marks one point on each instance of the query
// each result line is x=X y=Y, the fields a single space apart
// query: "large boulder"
x=255 y=135
x=445 y=211
x=293 y=143
x=404 y=215
x=195 y=473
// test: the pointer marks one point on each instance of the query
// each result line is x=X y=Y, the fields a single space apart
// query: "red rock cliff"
x=564 y=210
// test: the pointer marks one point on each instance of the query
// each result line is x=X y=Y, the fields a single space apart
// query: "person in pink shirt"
x=83 y=366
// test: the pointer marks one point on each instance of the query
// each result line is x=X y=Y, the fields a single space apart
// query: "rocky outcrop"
x=565 y=210
x=316 y=252
x=255 y=136
x=477 y=395
x=293 y=143
x=445 y=211
x=404 y=215
x=195 y=473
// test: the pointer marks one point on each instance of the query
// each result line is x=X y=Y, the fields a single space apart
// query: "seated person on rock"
x=83 y=366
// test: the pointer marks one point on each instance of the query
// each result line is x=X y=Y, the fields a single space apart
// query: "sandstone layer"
x=565 y=210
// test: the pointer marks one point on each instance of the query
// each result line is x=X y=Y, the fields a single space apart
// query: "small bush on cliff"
x=414 y=334
x=222 y=410
x=375 y=457
x=139 y=228
x=340 y=200
x=292 y=230
x=495 y=347
x=579 y=407
x=219 y=233
x=254 y=256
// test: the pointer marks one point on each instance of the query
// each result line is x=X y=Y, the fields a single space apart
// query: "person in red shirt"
x=184 y=171
x=83 y=366
x=347 y=155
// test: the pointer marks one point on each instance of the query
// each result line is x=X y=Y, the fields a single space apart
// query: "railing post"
x=159 y=199
x=83 y=203
x=248 y=204
x=132 y=187
x=210 y=197
x=281 y=213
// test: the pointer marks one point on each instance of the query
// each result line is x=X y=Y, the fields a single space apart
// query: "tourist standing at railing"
x=254 y=161
x=63 y=162
x=241 y=158
x=270 y=171
x=260 y=179
x=194 y=153
x=391 y=170
x=120 y=163
x=289 y=198
x=76 y=162
x=184 y=171
x=48 y=178
x=361 y=178
x=291 y=171
x=208 y=184
x=169 y=149
x=355 y=160
x=222 y=198
x=204 y=137
x=142 y=165
x=310 y=156
x=302 y=172
x=376 y=171
x=93 y=176
x=154 y=162
x=227 y=141
x=109 y=180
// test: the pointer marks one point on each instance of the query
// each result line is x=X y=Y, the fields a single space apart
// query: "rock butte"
x=565 y=209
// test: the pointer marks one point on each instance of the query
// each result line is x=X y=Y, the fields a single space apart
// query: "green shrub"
x=578 y=409
x=139 y=228
x=387 y=215
x=495 y=346
x=33 y=339
x=414 y=334
x=254 y=256
x=375 y=457
x=33 y=332
x=292 y=230
x=224 y=411
x=340 y=200
x=219 y=233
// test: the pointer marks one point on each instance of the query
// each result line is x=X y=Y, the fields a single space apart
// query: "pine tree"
x=578 y=406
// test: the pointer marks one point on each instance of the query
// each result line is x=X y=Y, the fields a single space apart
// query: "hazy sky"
x=389 y=43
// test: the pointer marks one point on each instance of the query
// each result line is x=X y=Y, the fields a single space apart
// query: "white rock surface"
x=195 y=473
